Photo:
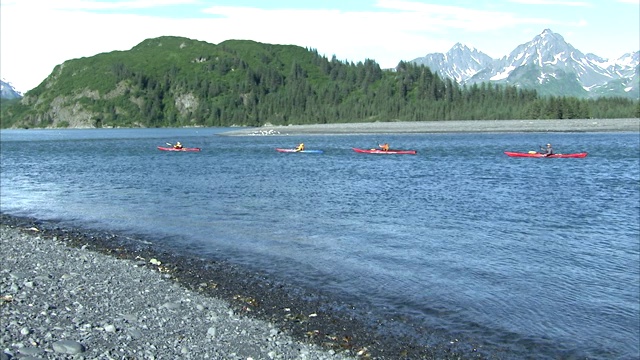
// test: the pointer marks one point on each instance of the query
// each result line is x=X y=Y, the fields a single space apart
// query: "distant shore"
x=451 y=126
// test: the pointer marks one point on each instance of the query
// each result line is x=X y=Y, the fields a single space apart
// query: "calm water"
x=527 y=256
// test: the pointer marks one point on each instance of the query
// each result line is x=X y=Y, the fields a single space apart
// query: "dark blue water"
x=530 y=256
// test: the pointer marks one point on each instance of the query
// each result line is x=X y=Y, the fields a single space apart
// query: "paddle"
x=173 y=146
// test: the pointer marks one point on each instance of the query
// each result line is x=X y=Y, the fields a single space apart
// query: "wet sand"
x=460 y=126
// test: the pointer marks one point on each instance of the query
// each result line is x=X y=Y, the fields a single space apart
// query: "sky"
x=37 y=35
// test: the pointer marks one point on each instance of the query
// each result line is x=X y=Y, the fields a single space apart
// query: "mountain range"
x=175 y=81
x=547 y=64
x=7 y=91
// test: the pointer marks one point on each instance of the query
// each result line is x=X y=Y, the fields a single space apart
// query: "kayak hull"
x=163 y=148
x=301 y=151
x=538 y=155
x=388 y=152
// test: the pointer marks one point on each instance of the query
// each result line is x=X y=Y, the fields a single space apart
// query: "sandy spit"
x=454 y=126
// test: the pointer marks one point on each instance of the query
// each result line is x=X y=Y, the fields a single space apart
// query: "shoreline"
x=279 y=320
x=449 y=126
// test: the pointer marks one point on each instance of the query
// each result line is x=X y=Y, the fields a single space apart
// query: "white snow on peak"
x=605 y=64
x=475 y=59
x=545 y=76
x=10 y=86
x=541 y=78
x=625 y=60
x=539 y=57
x=465 y=47
x=504 y=74
x=556 y=58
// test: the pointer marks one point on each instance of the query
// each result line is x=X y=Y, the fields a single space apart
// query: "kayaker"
x=384 y=147
x=300 y=147
x=177 y=145
x=548 y=150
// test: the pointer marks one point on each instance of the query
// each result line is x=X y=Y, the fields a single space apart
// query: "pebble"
x=68 y=347
x=110 y=328
x=31 y=351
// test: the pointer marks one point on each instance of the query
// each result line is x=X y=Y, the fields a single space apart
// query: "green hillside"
x=173 y=81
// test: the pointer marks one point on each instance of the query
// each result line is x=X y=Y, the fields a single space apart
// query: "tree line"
x=252 y=84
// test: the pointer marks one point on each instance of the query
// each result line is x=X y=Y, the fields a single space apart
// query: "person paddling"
x=384 y=147
x=300 y=147
x=548 y=150
x=177 y=145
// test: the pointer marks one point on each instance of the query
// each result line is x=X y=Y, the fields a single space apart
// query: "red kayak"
x=390 y=151
x=175 y=149
x=539 y=155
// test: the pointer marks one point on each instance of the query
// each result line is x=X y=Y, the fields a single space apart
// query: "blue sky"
x=37 y=35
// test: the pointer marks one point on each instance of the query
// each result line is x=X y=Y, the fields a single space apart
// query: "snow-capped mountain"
x=547 y=63
x=7 y=91
x=459 y=63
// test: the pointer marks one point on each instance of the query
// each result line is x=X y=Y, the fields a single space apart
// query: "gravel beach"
x=64 y=302
x=81 y=294
x=569 y=125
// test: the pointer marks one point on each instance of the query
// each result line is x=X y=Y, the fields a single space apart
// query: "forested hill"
x=173 y=81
